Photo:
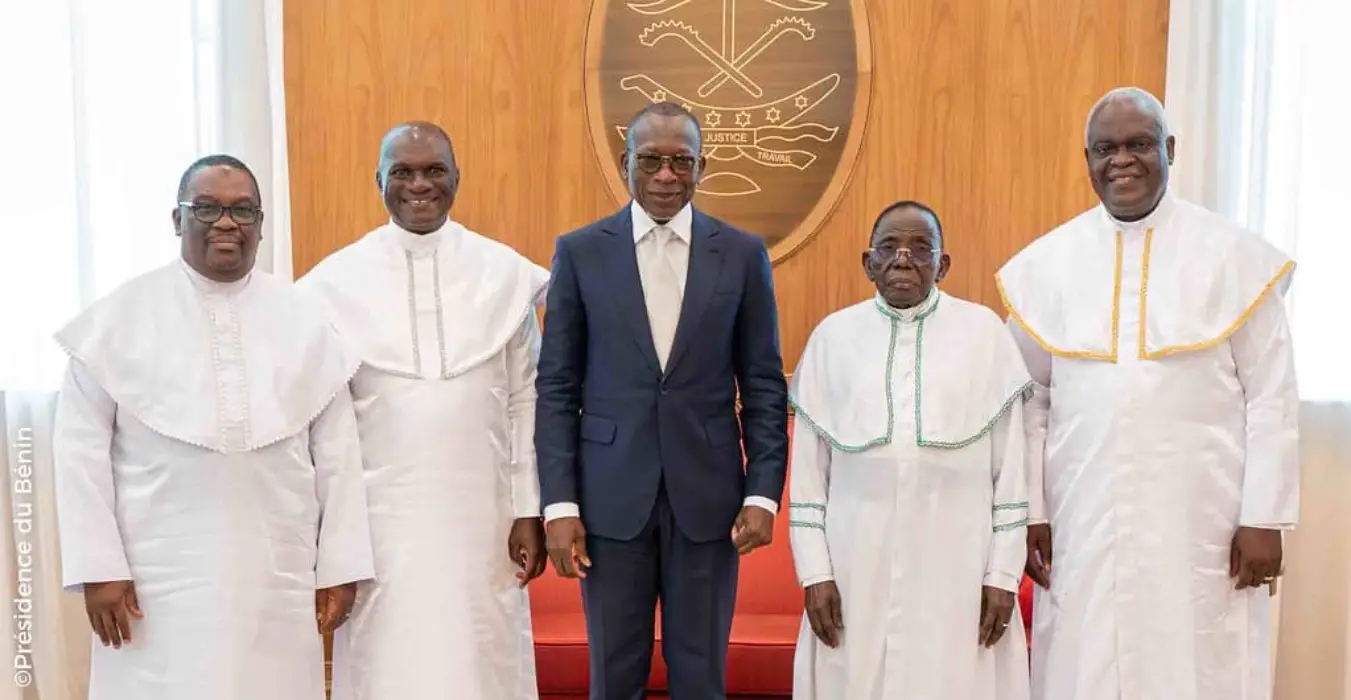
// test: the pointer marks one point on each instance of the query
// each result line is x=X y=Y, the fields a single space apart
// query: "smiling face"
x=664 y=165
x=418 y=179
x=224 y=249
x=905 y=258
x=1128 y=156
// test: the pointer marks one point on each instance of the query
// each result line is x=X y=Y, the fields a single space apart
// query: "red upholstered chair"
x=560 y=635
x=1025 y=604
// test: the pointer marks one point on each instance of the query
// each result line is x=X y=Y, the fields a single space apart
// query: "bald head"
x=415 y=131
x=417 y=177
x=1142 y=100
x=1128 y=150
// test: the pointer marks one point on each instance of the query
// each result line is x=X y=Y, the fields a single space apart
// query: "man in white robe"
x=208 y=474
x=1163 y=438
x=908 y=493
x=444 y=322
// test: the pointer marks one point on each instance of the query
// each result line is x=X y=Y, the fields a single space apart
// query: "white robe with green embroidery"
x=908 y=490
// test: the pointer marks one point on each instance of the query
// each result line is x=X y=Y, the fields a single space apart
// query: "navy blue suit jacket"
x=610 y=425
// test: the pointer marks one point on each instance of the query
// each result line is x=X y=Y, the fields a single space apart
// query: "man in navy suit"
x=657 y=316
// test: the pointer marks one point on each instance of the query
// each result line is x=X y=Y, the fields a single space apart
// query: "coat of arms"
x=780 y=88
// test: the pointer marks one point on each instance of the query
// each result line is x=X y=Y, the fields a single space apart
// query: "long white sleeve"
x=1008 y=546
x=86 y=499
x=344 y=528
x=1264 y=358
x=522 y=367
x=1036 y=416
x=808 y=487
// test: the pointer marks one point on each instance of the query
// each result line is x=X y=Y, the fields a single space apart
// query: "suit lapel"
x=700 y=281
x=621 y=267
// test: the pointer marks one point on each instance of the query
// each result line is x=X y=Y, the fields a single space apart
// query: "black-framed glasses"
x=651 y=163
x=919 y=256
x=242 y=214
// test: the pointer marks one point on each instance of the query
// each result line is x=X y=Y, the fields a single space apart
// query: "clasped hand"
x=525 y=548
x=996 y=610
x=754 y=528
x=565 y=540
x=1255 y=557
x=110 y=606
x=332 y=605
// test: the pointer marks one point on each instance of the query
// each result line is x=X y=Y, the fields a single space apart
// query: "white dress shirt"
x=678 y=256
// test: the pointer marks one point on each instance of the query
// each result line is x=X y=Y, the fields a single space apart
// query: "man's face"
x=905 y=260
x=662 y=189
x=224 y=249
x=418 y=180
x=1128 y=160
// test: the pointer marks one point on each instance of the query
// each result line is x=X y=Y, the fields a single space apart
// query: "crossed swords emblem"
x=730 y=64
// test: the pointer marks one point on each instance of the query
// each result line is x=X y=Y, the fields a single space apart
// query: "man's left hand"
x=333 y=605
x=525 y=548
x=996 y=609
x=1255 y=557
x=754 y=528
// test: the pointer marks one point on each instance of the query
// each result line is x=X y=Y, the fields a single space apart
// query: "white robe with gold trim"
x=446 y=330
x=908 y=490
x=1165 y=417
x=206 y=449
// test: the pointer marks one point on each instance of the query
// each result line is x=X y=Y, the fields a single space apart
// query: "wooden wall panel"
x=978 y=109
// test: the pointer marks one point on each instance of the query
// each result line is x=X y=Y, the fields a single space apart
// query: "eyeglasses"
x=242 y=214
x=919 y=257
x=680 y=165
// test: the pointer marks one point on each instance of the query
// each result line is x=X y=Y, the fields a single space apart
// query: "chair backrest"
x=767 y=584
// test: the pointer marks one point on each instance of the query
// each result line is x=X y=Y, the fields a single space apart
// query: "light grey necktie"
x=661 y=290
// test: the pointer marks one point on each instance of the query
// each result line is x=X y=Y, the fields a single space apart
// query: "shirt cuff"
x=554 y=511
x=1281 y=527
x=1002 y=581
x=762 y=502
x=812 y=581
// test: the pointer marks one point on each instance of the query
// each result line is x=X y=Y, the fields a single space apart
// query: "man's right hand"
x=1039 y=554
x=110 y=605
x=565 y=539
x=824 y=612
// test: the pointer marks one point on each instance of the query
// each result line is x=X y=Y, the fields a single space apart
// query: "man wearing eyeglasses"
x=444 y=321
x=208 y=476
x=656 y=317
x=1163 y=434
x=908 y=505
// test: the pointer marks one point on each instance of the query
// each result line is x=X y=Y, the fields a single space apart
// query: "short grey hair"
x=1141 y=98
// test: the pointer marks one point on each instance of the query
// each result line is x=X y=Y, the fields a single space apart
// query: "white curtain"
x=107 y=103
x=1257 y=95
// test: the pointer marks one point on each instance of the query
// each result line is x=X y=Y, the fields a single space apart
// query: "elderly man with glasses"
x=908 y=504
x=208 y=474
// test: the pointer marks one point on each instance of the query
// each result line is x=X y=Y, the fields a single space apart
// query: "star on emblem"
x=659 y=96
x=800 y=102
x=772 y=115
x=743 y=119
x=713 y=119
x=687 y=107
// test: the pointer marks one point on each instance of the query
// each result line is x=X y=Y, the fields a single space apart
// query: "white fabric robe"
x=446 y=330
x=206 y=450
x=908 y=490
x=1165 y=417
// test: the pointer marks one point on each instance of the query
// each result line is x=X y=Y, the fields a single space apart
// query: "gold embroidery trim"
x=1205 y=344
x=1116 y=316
